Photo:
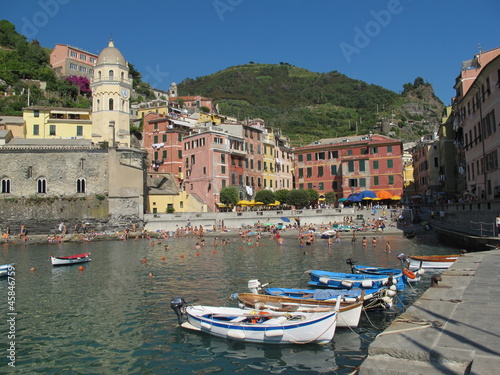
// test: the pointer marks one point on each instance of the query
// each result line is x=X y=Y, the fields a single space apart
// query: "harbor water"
x=113 y=317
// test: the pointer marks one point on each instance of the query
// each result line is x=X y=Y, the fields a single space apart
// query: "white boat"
x=4 y=269
x=258 y=326
x=71 y=259
x=429 y=261
x=349 y=312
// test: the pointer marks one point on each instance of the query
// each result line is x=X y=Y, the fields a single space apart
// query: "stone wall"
x=61 y=168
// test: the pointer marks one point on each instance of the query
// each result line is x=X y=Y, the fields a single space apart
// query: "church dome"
x=111 y=55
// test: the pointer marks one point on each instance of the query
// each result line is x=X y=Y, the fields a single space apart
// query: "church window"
x=41 y=185
x=123 y=76
x=111 y=75
x=99 y=74
x=80 y=185
x=98 y=105
x=111 y=104
x=5 y=185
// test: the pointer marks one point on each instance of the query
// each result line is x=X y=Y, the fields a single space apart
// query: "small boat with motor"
x=428 y=261
x=267 y=327
x=71 y=259
x=340 y=280
x=408 y=275
x=349 y=312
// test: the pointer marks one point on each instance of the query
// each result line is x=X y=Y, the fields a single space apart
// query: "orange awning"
x=384 y=194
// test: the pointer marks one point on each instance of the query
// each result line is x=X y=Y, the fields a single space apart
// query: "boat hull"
x=4 y=269
x=349 y=313
x=385 y=271
x=73 y=259
x=276 y=328
x=341 y=280
x=433 y=261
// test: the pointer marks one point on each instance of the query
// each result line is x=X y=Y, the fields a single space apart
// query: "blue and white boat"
x=340 y=280
x=4 y=269
x=408 y=276
x=267 y=327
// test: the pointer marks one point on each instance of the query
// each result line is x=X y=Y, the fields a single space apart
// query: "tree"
x=330 y=197
x=265 y=196
x=419 y=81
x=299 y=198
x=313 y=194
x=229 y=196
x=282 y=196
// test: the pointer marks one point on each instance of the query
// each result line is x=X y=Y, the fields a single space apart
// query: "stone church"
x=99 y=181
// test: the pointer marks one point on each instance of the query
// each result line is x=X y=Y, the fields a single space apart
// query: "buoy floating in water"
x=197 y=254
x=213 y=251
x=182 y=255
x=162 y=258
x=80 y=268
x=32 y=268
x=144 y=261
x=241 y=248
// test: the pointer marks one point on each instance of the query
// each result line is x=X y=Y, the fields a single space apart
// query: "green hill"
x=307 y=105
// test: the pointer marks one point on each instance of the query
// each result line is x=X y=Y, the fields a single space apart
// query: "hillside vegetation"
x=307 y=105
x=23 y=63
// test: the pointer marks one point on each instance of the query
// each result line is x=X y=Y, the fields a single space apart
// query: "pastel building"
x=57 y=123
x=111 y=89
x=350 y=165
x=477 y=108
x=67 y=60
x=163 y=140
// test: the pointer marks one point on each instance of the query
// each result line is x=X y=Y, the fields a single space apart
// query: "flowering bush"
x=81 y=82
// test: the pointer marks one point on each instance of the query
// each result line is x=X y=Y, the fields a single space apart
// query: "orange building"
x=68 y=61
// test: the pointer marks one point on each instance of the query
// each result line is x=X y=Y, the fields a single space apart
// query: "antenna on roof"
x=480 y=48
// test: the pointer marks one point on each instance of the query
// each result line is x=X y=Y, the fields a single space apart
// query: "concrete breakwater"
x=451 y=329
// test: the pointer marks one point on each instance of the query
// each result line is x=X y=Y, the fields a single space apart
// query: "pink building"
x=163 y=140
x=206 y=165
x=67 y=61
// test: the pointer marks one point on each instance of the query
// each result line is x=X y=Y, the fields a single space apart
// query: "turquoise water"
x=111 y=317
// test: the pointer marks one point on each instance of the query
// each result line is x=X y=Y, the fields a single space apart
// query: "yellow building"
x=268 y=160
x=165 y=196
x=57 y=123
x=161 y=109
x=111 y=89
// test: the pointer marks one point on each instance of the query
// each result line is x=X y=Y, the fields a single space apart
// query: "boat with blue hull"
x=340 y=280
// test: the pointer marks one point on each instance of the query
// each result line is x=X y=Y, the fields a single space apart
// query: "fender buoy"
x=409 y=273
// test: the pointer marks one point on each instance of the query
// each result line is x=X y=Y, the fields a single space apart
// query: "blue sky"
x=388 y=42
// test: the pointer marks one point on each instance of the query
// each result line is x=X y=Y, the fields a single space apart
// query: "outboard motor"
x=177 y=304
x=351 y=262
x=255 y=286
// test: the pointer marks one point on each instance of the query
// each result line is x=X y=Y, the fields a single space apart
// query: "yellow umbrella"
x=276 y=203
x=396 y=197
x=243 y=203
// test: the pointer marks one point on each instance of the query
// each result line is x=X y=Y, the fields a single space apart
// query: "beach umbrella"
x=396 y=197
x=285 y=219
x=367 y=194
x=354 y=197
x=276 y=203
x=384 y=194
x=243 y=203
x=342 y=199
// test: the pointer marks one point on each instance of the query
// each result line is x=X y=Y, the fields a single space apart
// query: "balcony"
x=219 y=147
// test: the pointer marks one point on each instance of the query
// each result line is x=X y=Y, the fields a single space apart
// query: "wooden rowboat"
x=431 y=261
x=349 y=312
x=71 y=259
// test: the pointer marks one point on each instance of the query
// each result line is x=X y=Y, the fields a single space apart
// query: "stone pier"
x=453 y=328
